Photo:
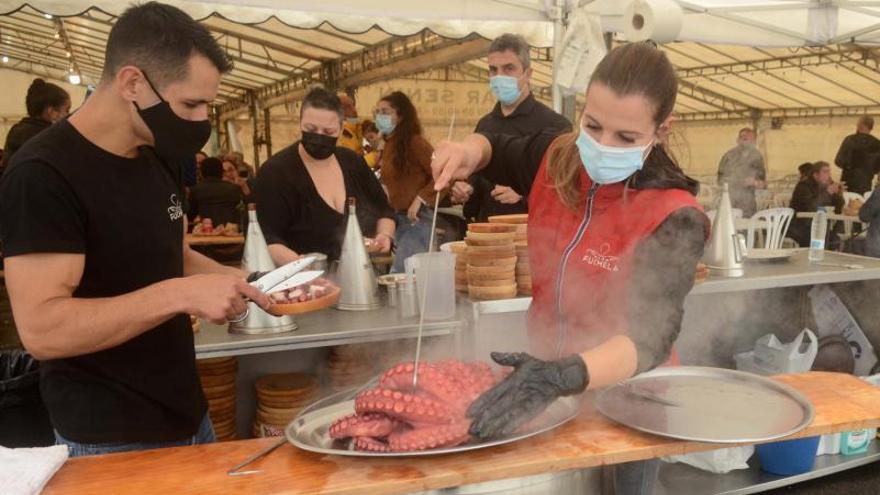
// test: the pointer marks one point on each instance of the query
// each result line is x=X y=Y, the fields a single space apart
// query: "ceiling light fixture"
x=74 y=79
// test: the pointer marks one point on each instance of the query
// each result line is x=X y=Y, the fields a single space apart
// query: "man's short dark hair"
x=818 y=166
x=514 y=43
x=867 y=121
x=212 y=167
x=321 y=99
x=805 y=168
x=160 y=39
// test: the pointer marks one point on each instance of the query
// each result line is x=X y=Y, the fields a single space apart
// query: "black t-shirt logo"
x=175 y=211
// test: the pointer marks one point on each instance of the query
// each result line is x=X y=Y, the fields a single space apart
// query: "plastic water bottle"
x=817 y=235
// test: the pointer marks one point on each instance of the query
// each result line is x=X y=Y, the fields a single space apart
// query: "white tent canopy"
x=765 y=23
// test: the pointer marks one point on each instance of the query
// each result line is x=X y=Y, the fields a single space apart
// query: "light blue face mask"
x=608 y=164
x=385 y=124
x=505 y=88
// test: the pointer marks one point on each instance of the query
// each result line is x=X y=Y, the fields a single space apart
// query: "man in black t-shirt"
x=215 y=198
x=517 y=113
x=92 y=223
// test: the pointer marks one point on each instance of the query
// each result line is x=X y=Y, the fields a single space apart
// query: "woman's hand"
x=413 y=211
x=532 y=386
x=505 y=195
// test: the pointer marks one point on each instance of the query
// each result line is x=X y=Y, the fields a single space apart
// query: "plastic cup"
x=437 y=270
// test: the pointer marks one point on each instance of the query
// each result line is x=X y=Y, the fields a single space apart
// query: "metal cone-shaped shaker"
x=724 y=254
x=257 y=258
x=360 y=291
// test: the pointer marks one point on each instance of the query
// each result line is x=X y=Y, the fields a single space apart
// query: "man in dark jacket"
x=858 y=156
x=517 y=113
x=809 y=195
x=215 y=198
x=870 y=213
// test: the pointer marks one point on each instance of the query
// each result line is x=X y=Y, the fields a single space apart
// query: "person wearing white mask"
x=406 y=174
x=615 y=234
x=517 y=113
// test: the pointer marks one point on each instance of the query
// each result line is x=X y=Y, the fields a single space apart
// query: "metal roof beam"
x=711 y=98
x=796 y=61
x=777 y=78
x=262 y=42
x=392 y=58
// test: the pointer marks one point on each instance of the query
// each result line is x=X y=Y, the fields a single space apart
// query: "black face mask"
x=318 y=146
x=174 y=138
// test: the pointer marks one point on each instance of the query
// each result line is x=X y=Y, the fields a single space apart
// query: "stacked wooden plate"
x=218 y=382
x=280 y=397
x=523 y=269
x=491 y=261
x=461 y=279
x=520 y=220
x=350 y=365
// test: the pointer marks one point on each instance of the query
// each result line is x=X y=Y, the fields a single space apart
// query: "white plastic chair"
x=850 y=196
x=737 y=213
x=775 y=222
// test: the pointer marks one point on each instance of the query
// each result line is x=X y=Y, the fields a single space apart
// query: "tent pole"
x=255 y=121
x=558 y=16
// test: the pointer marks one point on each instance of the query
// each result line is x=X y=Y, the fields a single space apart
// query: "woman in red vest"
x=615 y=234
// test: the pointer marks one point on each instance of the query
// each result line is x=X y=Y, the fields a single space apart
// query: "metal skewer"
x=424 y=296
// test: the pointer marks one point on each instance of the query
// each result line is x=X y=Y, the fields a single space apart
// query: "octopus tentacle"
x=430 y=437
x=363 y=425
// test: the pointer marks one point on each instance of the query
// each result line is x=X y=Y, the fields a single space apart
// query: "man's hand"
x=833 y=188
x=530 y=388
x=219 y=298
x=413 y=211
x=505 y=195
x=461 y=192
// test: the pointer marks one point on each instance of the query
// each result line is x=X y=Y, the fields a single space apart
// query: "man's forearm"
x=69 y=326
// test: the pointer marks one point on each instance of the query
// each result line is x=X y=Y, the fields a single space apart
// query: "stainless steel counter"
x=323 y=328
x=794 y=272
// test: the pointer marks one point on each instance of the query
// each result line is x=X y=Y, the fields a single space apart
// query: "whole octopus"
x=394 y=417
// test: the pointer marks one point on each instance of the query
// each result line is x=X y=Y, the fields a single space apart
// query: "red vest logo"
x=602 y=259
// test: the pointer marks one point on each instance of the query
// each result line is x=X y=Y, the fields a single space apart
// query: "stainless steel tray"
x=309 y=430
x=707 y=405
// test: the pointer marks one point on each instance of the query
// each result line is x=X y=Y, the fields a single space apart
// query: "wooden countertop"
x=213 y=240
x=842 y=402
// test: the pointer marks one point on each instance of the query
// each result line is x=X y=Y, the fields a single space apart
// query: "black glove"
x=532 y=386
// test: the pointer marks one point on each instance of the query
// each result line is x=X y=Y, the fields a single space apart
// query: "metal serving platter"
x=309 y=430
x=707 y=405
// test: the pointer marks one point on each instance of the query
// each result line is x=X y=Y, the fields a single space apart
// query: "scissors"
x=285 y=277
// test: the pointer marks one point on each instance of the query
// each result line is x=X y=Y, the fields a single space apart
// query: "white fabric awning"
x=768 y=23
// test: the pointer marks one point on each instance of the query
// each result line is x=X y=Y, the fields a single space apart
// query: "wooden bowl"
x=457 y=247
x=491 y=228
x=519 y=218
x=487 y=293
x=317 y=304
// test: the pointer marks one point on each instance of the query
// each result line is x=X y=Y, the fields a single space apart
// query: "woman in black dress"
x=302 y=191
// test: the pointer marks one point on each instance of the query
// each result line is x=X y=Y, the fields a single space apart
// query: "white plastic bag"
x=716 y=461
x=833 y=318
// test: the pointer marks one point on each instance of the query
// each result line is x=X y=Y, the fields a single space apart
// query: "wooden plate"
x=519 y=218
x=489 y=283
x=489 y=236
x=491 y=227
x=507 y=262
x=502 y=292
x=298 y=308
x=501 y=241
x=476 y=277
x=505 y=251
